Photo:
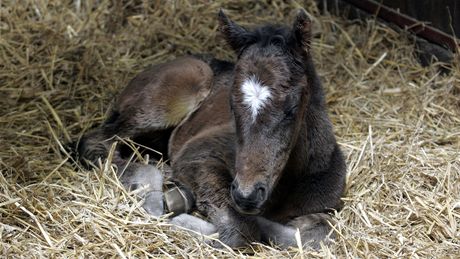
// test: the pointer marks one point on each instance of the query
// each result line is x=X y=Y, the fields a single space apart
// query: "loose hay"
x=61 y=64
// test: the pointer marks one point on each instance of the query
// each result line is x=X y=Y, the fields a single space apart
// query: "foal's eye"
x=277 y=41
x=290 y=113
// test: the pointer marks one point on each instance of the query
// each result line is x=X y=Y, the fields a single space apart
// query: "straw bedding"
x=61 y=63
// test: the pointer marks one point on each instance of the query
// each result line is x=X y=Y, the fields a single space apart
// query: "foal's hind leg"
x=147 y=178
x=157 y=99
x=313 y=229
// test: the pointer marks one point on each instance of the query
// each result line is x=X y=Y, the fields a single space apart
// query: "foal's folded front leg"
x=209 y=181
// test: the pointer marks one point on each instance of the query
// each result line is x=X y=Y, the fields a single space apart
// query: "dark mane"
x=269 y=34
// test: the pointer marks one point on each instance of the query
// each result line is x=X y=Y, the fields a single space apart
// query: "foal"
x=250 y=142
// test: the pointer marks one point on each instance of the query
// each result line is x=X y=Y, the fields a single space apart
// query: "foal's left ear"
x=234 y=34
x=302 y=29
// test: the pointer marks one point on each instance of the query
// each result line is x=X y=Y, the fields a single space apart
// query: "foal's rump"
x=163 y=95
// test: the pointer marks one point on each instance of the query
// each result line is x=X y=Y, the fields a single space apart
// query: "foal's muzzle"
x=250 y=200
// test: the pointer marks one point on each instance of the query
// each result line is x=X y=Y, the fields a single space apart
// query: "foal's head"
x=269 y=98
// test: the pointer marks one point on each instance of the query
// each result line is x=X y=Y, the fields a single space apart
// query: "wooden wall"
x=440 y=13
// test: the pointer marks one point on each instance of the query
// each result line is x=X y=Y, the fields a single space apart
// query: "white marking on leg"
x=149 y=183
x=194 y=223
x=255 y=94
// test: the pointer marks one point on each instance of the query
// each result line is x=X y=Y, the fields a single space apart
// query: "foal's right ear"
x=234 y=34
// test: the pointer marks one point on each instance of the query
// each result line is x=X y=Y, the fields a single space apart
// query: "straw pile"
x=61 y=62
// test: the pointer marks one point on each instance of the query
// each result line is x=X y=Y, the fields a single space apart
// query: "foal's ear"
x=302 y=29
x=234 y=34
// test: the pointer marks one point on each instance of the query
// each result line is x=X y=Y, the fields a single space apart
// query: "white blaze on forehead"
x=255 y=95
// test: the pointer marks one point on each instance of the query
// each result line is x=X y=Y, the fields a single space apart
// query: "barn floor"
x=63 y=61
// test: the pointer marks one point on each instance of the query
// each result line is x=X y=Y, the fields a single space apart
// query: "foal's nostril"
x=233 y=187
x=261 y=193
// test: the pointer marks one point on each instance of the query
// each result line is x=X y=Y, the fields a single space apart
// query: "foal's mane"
x=265 y=35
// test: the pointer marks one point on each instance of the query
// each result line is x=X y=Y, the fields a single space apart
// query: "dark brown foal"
x=250 y=142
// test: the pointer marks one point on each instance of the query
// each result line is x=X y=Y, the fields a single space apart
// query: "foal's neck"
x=296 y=165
